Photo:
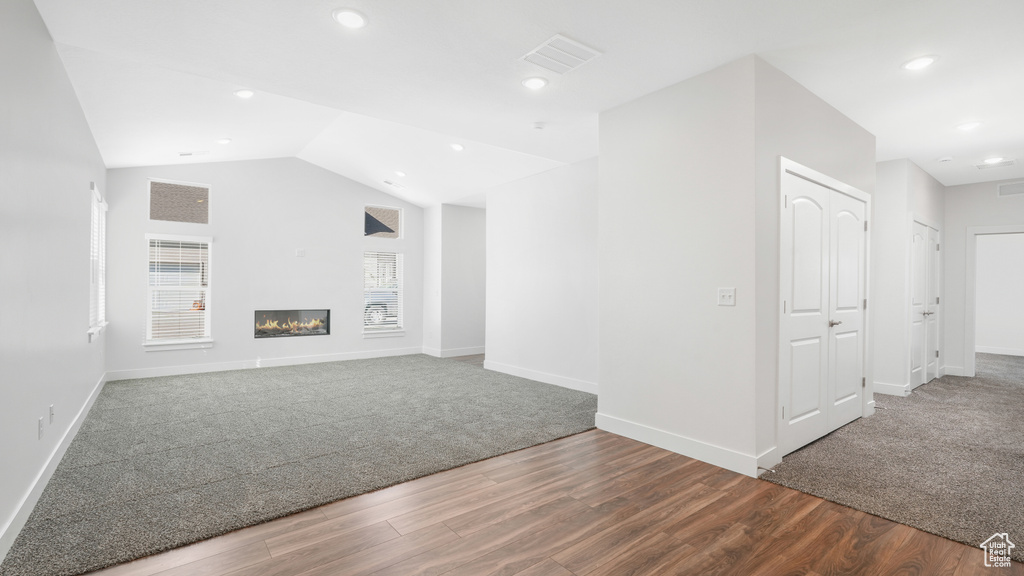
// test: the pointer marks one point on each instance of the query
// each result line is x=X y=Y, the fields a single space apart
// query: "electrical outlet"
x=40 y=427
x=726 y=296
x=51 y=413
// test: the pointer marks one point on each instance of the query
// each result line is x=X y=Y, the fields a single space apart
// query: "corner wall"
x=689 y=203
x=542 y=278
x=905 y=193
x=464 y=279
x=792 y=122
x=47 y=159
x=261 y=212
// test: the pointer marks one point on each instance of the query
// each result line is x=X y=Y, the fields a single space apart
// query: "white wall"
x=890 y=270
x=904 y=193
x=969 y=205
x=1000 y=285
x=47 y=160
x=464 y=273
x=261 y=212
x=542 y=277
x=677 y=221
x=689 y=202
x=432 y=280
x=927 y=197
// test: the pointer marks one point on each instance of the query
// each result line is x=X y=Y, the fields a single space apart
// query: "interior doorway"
x=975 y=233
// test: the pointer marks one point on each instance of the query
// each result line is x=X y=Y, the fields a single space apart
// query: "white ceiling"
x=155 y=79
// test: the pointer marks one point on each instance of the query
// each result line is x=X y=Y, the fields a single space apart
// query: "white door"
x=847 y=281
x=918 y=298
x=931 y=322
x=823 y=272
x=924 y=304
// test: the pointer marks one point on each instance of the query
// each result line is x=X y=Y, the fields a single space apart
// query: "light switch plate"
x=726 y=296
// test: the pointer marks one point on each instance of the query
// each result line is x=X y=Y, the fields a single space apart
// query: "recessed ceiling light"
x=224 y=141
x=399 y=173
x=920 y=63
x=349 y=18
x=244 y=93
x=458 y=147
x=968 y=126
x=535 y=83
x=994 y=160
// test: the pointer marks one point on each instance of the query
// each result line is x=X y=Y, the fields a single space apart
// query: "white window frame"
x=97 y=263
x=371 y=330
x=204 y=341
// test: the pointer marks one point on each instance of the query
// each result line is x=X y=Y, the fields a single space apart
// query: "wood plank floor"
x=593 y=504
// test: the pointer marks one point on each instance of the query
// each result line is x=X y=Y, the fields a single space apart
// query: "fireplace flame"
x=289 y=325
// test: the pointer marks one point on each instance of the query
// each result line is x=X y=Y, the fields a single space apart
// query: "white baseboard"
x=563 y=381
x=997 y=350
x=769 y=458
x=716 y=455
x=954 y=370
x=435 y=352
x=892 y=389
x=258 y=362
x=10 y=532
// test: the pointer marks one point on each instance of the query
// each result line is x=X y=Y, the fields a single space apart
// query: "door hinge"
x=936 y=247
x=783 y=412
x=785 y=201
x=864 y=382
x=865 y=303
x=936 y=353
x=865 y=225
x=783 y=306
x=936 y=299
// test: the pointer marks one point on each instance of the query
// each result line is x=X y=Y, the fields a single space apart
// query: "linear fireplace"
x=281 y=323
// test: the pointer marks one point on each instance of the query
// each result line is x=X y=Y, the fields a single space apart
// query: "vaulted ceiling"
x=156 y=79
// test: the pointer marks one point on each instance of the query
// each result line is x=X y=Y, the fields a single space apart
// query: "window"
x=381 y=222
x=382 y=292
x=179 y=202
x=97 y=264
x=178 y=299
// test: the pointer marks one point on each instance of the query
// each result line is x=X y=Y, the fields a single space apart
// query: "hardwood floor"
x=593 y=504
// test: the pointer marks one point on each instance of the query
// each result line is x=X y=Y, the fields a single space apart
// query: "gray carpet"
x=948 y=459
x=163 y=462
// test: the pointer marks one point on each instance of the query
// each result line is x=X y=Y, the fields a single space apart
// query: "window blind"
x=382 y=291
x=179 y=285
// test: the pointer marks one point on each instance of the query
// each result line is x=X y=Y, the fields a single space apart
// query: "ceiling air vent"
x=560 y=54
x=1010 y=162
x=1011 y=188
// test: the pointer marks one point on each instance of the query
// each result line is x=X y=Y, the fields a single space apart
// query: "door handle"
x=927 y=313
x=832 y=323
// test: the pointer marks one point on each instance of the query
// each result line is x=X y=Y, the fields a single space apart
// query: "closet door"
x=847 y=258
x=804 y=353
x=823 y=256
